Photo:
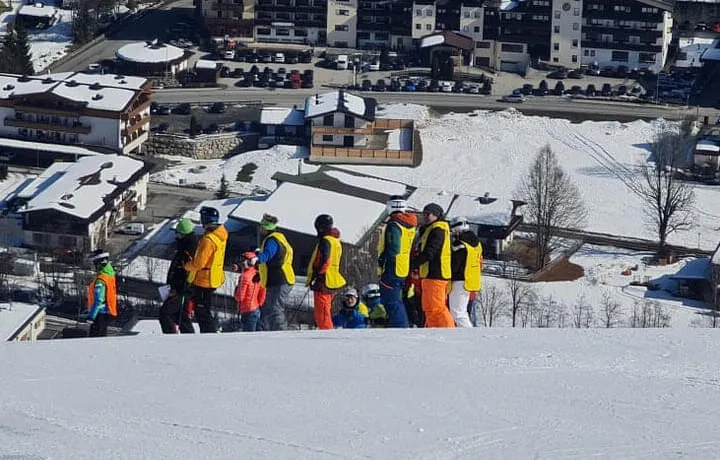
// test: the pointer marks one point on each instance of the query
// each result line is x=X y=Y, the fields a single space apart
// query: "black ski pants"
x=203 y=298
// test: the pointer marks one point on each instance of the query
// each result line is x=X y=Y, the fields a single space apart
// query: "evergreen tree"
x=224 y=191
x=7 y=53
x=82 y=24
x=23 y=58
x=195 y=127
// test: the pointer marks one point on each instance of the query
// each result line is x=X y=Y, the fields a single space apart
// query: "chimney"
x=515 y=205
x=317 y=98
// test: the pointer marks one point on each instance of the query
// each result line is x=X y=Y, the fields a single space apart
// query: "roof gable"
x=340 y=101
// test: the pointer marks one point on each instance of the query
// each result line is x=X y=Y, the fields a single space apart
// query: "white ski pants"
x=458 y=301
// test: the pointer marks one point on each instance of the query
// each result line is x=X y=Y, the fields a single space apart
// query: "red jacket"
x=249 y=294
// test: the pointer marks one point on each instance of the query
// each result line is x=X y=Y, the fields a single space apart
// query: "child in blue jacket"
x=349 y=317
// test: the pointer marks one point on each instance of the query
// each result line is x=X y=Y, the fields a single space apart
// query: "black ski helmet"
x=323 y=223
x=209 y=215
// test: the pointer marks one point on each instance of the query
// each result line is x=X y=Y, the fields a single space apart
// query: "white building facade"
x=342 y=19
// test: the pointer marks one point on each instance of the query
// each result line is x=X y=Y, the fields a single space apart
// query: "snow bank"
x=49 y=45
x=411 y=394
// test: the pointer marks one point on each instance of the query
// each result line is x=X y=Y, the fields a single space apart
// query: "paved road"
x=439 y=101
x=147 y=27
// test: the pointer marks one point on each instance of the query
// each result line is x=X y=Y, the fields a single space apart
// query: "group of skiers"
x=428 y=276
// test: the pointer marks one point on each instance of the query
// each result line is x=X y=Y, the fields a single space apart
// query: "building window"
x=576 y=12
x=327 y=138
x=511 y=48
x=648 y=58
x=634 y=40
x=483 y=45
x=341 y=28
x=606 y=38
x=623 y=8
x=620 y=56
x=557 y=14
x=429 y=12
x=428 y=27
x=343 y=12
x=556 y=46
x=592 y=53
x=328 y=120
x=418 y=12
x=418 y=26
x=556 y=59
x=263 y=31
x=586 y=53
x=301 y=32
x=283 y=32
x=41 y=239
x=476 y=29
x=556 y=29
x=477 y=15
x=540 y=18
x=364 y=35
x=576 y=26
x=575 y=43
x=466 y=14
x=67 y=242
x=382 y=36
x=574 y=57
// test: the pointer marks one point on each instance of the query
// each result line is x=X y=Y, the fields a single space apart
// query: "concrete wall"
x=201 y=147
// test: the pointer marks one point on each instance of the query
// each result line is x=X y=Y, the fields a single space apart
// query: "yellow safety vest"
x=333 y=277
x=445 y=267
x=402 y=259
x=286 y=264
x=473 y=267
x=217 y=272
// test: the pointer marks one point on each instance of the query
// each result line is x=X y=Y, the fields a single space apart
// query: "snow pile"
x=260 y=165
x=412 y=394
x=404 y=111
x=49 y=45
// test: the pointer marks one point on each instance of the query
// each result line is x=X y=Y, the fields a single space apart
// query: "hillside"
x=411 y=394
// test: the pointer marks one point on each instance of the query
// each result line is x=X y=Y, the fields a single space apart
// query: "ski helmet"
x=459 y=225
x=323 y=223
x=209 y=215
x=434 y=209
x=350 y=292
x=184 y=226
x=396 y=204
x=371 y=291
x=100 y=257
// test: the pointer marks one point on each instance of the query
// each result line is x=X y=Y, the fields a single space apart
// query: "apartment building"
x=291 y=21
x=235 y=18
x=374 y=23
x=342 y=23
x=633 y=33
x=108 y=111
x=566 y=21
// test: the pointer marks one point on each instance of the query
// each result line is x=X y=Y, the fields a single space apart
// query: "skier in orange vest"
x=101 y=295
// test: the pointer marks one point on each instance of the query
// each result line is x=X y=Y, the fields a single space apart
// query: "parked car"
x=576 y=74
x=380 y=85
x=606 y=90
x=558 y=75
x=279 y=58
x=486 y=88
x=575 y=90
x=374 y=66
x=458 y=87
x=229 y=54
x=134 y=228
x=341 y=63
x=366 y=85
x=559 y=88
x=291 y=58
x=422 y=85
x=409 y=86
x=183 y=109
x=266 y=58
x=224 y=72
x=395 y=85
x=446 y=86
x=607 y=71
x=217 y=107
x=252 y=58
x=590 y=90
x=622 y=89
x=434 y=86
x=305 y=57
x=526 y=89
x=161 y=128
x=473 y=89
x=237 y=73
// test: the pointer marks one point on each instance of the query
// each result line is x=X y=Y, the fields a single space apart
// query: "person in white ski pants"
x=466 y=264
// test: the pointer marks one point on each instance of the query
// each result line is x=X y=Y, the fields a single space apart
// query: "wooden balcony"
x=47 y=126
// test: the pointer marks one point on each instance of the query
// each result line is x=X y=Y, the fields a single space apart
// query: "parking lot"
x=209 y=122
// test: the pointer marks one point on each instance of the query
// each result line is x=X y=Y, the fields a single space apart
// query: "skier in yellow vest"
x=466 y=262
x=434 y=264
x=205 y=269
x=274 y=260
x=323 y=273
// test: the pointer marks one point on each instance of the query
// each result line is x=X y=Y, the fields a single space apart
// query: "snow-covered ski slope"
x=412 y=394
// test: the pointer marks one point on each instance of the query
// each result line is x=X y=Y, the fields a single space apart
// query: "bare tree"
x=649 y=313
x=152 y=265
x=583 y=315
x=521 y=296
x=553 y=201
x=491 y=303
x=668 y=201
x=611 y=310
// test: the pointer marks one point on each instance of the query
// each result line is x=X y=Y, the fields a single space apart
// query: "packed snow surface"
x=395 y=394
x=49 y=45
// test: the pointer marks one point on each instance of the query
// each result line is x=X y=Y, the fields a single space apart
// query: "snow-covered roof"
x=296 y=207
x=148 y=53
x=368 y=183
x=399 y=139
x=496 y=212
x=13 y=316
x=507 y=5
x=693 y=48
x=37 y=10
x=45 y=147
x=340 y=101
x=102 y=92
x=707 y=145
x=282 y=116
x=711 y=54
x=81 y=188
x=206 y=64
x=695 y=269
x=114 y=99
x=422 y=196
x=108 y=79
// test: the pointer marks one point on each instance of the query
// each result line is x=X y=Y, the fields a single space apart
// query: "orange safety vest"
x=110 y=293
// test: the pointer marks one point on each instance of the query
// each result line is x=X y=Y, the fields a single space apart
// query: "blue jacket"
x=349 y=319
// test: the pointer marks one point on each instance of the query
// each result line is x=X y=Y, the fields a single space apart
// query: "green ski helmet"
x=185 y=226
